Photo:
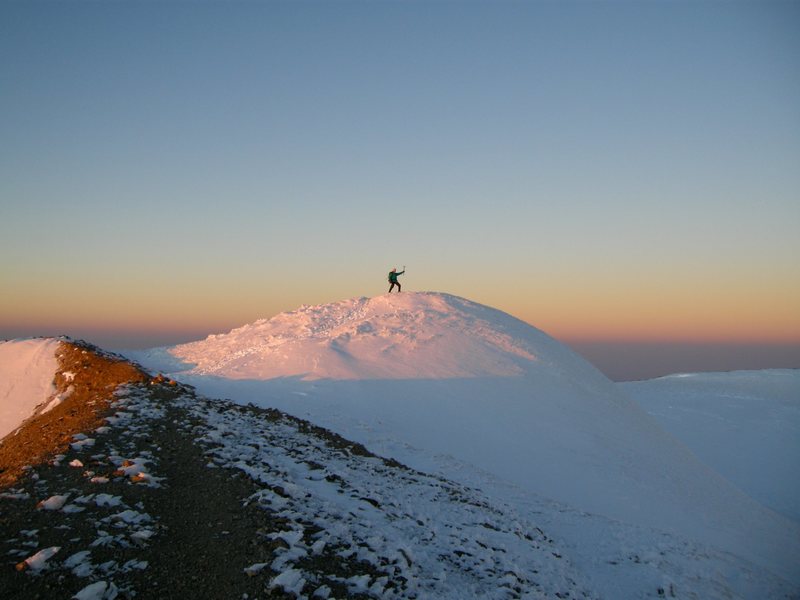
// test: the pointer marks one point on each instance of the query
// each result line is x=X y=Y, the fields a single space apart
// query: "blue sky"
x=602 y=170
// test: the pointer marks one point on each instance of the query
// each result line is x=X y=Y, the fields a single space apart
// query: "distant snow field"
x=452 y=387
x=744 y=424
x=27 y=368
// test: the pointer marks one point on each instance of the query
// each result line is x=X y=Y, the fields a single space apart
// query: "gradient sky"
x=609 y=172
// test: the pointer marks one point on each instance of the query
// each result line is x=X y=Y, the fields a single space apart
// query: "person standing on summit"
x=393 y=279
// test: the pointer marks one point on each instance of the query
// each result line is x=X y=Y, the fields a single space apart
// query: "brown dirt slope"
x=94 y=377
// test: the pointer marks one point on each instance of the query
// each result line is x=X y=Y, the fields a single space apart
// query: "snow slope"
x=27 y=368
x=449 y=386
x=744 y=424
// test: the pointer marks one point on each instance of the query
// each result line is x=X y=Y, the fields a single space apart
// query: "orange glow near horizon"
x=689 y=312
x=637 y=305
x=650 y=323
x=597 y=314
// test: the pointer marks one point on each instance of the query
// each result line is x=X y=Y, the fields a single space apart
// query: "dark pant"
x=394 y=283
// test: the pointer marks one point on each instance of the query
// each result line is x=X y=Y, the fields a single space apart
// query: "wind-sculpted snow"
x=402 y=336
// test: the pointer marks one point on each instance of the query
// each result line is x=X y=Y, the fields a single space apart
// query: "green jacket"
x=393 y=276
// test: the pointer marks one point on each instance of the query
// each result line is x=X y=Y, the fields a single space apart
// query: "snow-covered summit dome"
x=423 y=335
x=429 y=378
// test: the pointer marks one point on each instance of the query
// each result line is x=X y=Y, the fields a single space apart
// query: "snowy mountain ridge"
x=287 y=509
x=545 y=483
x=183 y=496
x=451 y=387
